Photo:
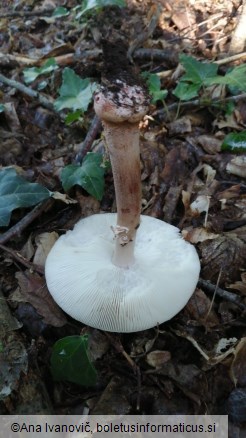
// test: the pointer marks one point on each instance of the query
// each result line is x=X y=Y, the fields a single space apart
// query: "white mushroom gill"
x=141 y=274
x=86 y=285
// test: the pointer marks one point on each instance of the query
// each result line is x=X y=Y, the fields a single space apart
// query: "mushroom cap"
x=127 y=104
x=84 y=282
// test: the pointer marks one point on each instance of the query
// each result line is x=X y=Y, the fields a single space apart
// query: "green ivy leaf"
x=185 y=91
x=30 y=74
x=89 y=5
x=69 y=361
x=16 y=192
x=234 y=78
x=60 y=12
x=154 y=86
x=234 y=142
x=73 y=117
x=229 y=108
x=195 y=71
x=75 y=93
x=90 y=175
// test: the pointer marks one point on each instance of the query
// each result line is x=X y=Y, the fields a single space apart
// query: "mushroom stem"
x=123 y=144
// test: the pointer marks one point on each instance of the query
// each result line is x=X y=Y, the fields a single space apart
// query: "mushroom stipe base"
x=83 y=281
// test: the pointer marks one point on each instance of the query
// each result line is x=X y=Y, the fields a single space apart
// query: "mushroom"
x=122 y=272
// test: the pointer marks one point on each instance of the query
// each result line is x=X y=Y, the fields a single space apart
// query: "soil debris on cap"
x=116 y=66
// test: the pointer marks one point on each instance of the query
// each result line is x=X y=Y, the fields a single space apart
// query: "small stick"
x=19 y=258
x=119 y=347
x=48 y=103
x=198 y=102
x=157 y=55
x=17 y=229
x=90 y=137
x=214 y=294
x=143 y=36
x=231 y=58
x=22 y=13
x=66 y=59
x=228 y=296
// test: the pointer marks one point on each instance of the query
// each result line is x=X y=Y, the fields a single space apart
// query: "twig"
x=213 y=17
x=231 y=58
x=90 y=137
x=190 y=338
x=17 y=229
x=172 y=57
x=143 y=36
x=9 y=60
x=200 y=103
x=23 y=13
x=157 y=55
x=71 y=58
x=67 y=59
x=19 y=258
x=119 y=347
x=214 y=294
x=228 y=296
x=48 y=103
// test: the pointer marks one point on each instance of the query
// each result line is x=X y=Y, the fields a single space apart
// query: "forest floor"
x=196 y=362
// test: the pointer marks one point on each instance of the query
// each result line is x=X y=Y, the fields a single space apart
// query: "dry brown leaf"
x=98 y=343
x=230 y=193
x=238 y=366
x=216 y=355
x=152 y=156
x=198 y=308
x=114 y=400
x=177 y=168
x=171 y=202
x=209 y=173
x=228 y=122
x=9 y=150
x=200 y=205
x=12 y=117
x=209 y=143
x=64 y=198
x=14 y=364
x=225 y=254
x=44 y=243
x=32 y=289
x=47 y=4
x=27 y=251
x=8 y=321
x=157 y=358
x=88 y=204
x=186 y=199
x=217 y=91
x=195 y=235
x=180 y=126
x=237 y=166
x=240 y=285
x=188 y=376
